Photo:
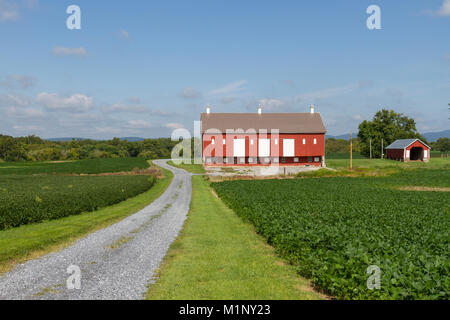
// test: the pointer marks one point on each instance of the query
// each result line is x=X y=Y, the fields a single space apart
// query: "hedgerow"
x=31 y=199
x=333 y=229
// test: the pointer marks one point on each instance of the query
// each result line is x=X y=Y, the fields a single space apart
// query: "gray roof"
x=403 y=143
x=284 y=122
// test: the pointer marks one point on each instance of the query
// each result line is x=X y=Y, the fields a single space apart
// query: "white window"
x=304 y=141
x=296 y=160
x=316 y=159
x=276 y=160
x=208 y=160
x=264 y=148
x=408 y=153
x=250 y=160
x=425 y=154
x=239 y=147
x=225 y=160
x=288 y=147
x=266 y=160
x=241 y=160
x=315 y=141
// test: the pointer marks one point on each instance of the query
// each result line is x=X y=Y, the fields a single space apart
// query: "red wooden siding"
x=302 y=151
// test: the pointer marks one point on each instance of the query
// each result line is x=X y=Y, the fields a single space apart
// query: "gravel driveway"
x=117 y=262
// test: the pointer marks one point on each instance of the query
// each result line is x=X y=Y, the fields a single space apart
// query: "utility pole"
x=351 y=152
x=370 y=143
x=382 y=149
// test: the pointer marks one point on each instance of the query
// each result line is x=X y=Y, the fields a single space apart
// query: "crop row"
x=91 y=166
x=31 y=199
x=334 y=229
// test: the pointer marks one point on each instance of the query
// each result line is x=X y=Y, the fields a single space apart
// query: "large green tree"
x=386 y=125
x=11 y=149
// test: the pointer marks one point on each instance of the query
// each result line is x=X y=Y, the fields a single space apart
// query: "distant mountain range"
x=430 y=136
x=64 y=139
x=342 y=136
x=433 y=136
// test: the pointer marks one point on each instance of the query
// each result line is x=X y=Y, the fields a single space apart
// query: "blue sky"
x=143 y=68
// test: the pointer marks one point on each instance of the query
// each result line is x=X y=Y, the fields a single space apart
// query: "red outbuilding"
x=408 y=150
x=262 y=139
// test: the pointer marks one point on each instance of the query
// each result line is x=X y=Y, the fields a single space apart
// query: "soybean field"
x=334 y=229
x=35 y=192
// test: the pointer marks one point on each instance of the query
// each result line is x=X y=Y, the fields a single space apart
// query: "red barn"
x=249 y=139
x=408 y=150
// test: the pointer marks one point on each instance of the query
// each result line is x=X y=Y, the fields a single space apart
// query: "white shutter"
x=264 y=148
x=239 y=147
x=288 y=148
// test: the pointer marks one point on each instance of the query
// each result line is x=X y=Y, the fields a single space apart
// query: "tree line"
x=33 y=148
x=385 y=127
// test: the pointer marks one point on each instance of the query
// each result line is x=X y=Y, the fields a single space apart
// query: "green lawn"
x=194 y=168
x=218 y=256
x=31 y=241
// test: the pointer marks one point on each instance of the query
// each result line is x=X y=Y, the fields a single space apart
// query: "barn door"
x=288 y=148
x=239 y=148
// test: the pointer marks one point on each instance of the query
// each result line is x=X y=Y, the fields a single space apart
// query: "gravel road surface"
x=117 y=262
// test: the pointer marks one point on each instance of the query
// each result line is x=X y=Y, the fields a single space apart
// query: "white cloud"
x=327 y=93
x=174 y=125
x=25 y=112
x=18 y=81
x=230 y=88
x=139 y=124
x=357 y=117
x=31 y=4
x=123 y=34
x=108 y=130
x=228 y=100
x=445 y=9
x=10 y=100
x=74 y=103
x=272 y=104
x=134 y=100
x=8 y=11
x=63 y=51
x=190 y=93
x=135 y=108
x=27 y=129
x=127 y=108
